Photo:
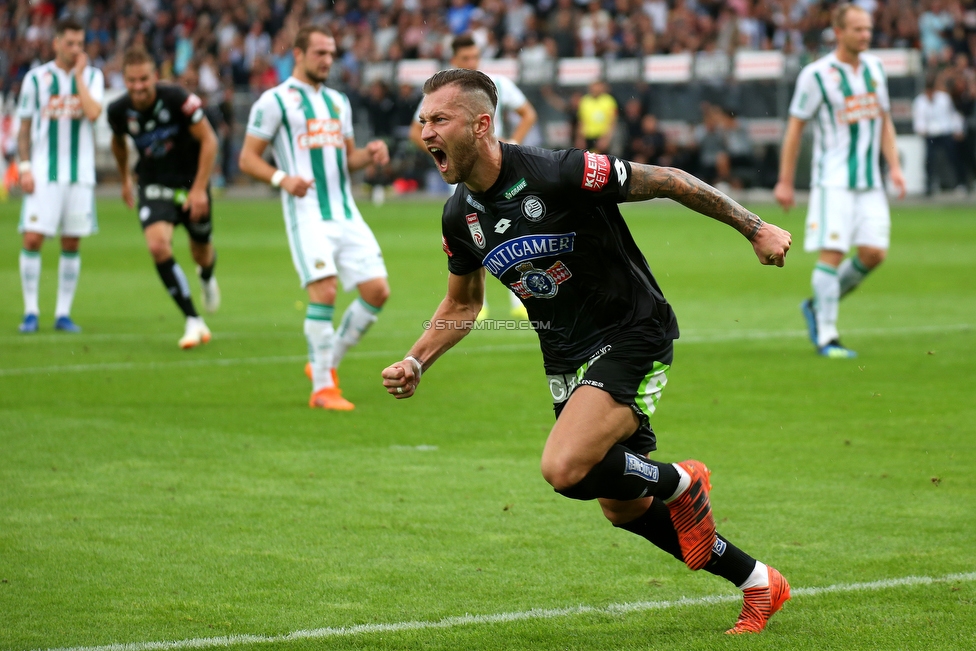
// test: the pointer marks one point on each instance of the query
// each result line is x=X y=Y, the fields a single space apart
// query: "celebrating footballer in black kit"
x=546 y=224
x=176 y=147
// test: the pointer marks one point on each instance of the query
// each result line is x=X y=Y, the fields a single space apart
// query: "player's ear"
x=482 y=125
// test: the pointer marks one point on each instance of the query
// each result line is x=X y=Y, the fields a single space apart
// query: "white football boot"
x=196 y=333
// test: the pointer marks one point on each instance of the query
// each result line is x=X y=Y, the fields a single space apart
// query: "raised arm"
x=770 y=242
x=90 y=106
x=452 y=320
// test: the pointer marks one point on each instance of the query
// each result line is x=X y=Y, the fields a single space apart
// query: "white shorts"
x=839 y=218
x=68 y=209
x=328 y=247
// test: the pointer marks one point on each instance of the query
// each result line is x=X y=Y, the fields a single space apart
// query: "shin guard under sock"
x=175 y=282
x=625 y=475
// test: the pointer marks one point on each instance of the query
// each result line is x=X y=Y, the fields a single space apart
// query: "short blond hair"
x=838 y=18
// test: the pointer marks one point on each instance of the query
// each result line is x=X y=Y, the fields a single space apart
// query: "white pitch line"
x=692 y=337
x=534 y=614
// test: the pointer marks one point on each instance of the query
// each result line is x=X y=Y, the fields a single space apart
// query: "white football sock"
x=826 y=296
x=30 y=279
x=758 y=579
x=69 y=266
x=851 y=272
x=320 y=335
x=359 y=316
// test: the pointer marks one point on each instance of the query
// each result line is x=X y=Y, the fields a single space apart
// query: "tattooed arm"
x=648 y=182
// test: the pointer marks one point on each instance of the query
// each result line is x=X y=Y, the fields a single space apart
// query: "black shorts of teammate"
x=161 y=204
x=633 y=369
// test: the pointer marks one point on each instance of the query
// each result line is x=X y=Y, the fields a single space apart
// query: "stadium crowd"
x=217 y=47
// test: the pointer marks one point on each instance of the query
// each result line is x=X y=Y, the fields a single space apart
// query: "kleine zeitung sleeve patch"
x=596 y=171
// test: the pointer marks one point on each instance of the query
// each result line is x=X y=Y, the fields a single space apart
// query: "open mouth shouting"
x=440 y=157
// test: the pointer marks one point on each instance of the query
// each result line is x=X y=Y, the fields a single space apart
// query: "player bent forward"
x=309 y=127
x=177 y=147
x=59 y=103
x=569 y=255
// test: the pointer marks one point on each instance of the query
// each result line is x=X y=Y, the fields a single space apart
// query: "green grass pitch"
x=153 y=495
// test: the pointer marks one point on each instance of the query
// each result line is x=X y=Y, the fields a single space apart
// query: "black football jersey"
x=549 y=229
x=168 y=153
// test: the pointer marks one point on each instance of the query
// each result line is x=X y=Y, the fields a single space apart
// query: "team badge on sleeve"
x=474 y=226
x=596 y=171
x=446 y=248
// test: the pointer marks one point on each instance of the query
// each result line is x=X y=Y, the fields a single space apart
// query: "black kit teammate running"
x=177 y=148
x=547 y=225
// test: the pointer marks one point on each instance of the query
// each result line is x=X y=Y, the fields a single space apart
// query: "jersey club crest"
x=540 y=283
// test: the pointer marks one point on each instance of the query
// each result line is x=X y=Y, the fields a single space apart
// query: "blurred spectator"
x=651 y=146
x=709 y=143
x=933 y=24
x=736 y=165
x=961 y=85
x=632 y=116
x=257 y=44
x=597 y=119
x=263 y=76
x=459 y=16
x=936 y=119
x=381 y=107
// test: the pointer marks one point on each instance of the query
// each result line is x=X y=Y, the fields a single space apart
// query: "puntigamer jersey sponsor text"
x=550 y=230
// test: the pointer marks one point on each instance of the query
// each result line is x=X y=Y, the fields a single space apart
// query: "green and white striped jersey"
x=307 y=128
x=847 y=106
x=62 y=138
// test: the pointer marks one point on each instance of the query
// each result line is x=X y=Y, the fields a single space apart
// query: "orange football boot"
x=759 y=604
x=691 y=515
x=330 y=398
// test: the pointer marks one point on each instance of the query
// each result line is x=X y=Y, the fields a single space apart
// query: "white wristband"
x=24 y=166
x=277 y=178
x=418 y=367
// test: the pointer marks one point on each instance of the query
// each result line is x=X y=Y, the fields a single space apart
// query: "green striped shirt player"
x=845 y=96
x=59 y=102
x=309 y=128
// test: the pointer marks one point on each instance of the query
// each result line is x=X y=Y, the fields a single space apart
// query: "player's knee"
x=871 y=258
x=377 y=296
x=562 y=473
x=33 y=241
x=160 y=251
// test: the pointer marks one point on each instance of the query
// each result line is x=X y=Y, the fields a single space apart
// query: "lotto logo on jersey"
x=63 y=106
x=860 y=107
x=325 y=132
x=596 y=171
